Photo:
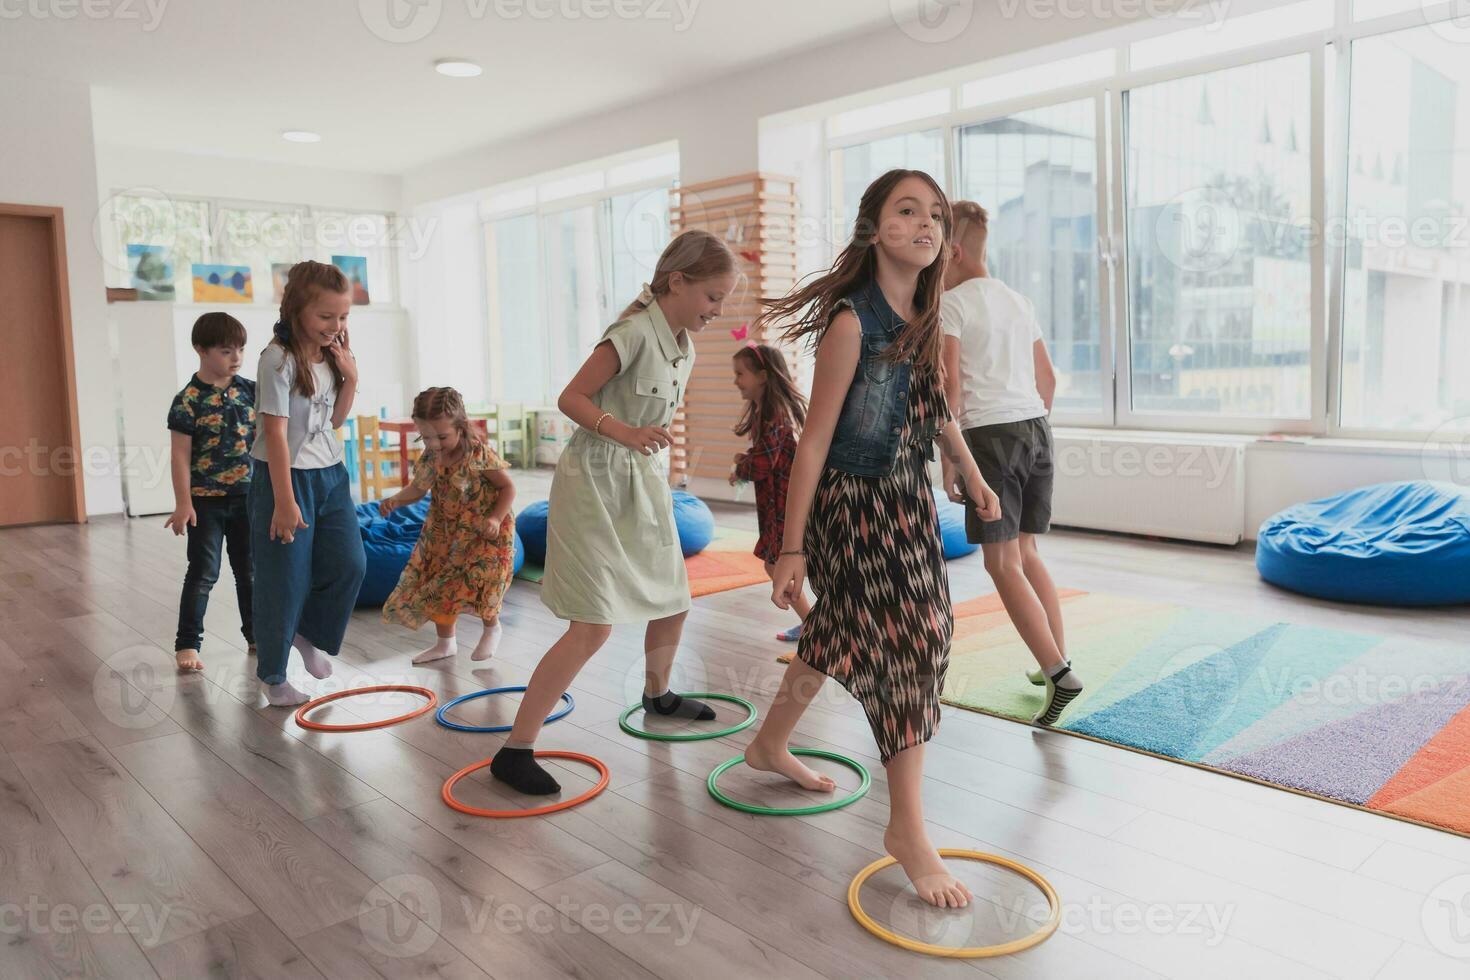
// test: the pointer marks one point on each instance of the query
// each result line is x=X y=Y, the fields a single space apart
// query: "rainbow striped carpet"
x=1377 y=722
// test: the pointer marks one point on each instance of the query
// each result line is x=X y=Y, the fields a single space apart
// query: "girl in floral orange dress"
x=466 y=553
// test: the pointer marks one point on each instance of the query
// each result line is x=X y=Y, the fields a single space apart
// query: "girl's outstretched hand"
x=388 y=505
x=987 y=504
x=786 y=580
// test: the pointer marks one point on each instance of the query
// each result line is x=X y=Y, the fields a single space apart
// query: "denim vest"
x=865 y=442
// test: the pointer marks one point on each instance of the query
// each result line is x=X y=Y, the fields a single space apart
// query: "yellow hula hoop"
x=965 y=952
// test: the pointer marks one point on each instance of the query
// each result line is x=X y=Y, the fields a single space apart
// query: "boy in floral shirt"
x=212 y=422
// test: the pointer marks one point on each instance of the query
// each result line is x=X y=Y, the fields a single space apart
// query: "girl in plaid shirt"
x=774 y=413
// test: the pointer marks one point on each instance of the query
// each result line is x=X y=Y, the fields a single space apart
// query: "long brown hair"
x=446 y=403
x=304 y=283
x=780 y=398
x=813 y=305
x=697 y=254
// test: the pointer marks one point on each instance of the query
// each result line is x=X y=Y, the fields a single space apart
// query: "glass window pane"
x=1218 y=192
x=259 y=237
x=1035 y=172
x=638 y=230
x=181 y=225
x=1406 y=303
x=855 y=167
x=513 y=299
x=572 y=274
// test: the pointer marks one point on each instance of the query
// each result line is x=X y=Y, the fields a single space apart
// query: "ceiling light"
x=301 y=136
x=457 y=68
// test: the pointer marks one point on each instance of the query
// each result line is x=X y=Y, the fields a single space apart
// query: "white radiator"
x=1162 y=484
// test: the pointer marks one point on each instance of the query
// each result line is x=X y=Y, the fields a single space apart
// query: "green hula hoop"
x=771 y=811
x=696 y=736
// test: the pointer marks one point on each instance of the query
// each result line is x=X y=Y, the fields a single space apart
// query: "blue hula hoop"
x=439 y=715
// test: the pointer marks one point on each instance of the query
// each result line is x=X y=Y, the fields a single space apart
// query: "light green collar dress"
x=612 y=553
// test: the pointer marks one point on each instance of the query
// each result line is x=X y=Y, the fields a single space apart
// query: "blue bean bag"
x=952 y=527
x=388 y=543
x=1398 y=544
x=694 y=522
x=531 y=526
x=692 y=519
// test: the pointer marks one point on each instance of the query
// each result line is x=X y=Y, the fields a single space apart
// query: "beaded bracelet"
x=598 y=427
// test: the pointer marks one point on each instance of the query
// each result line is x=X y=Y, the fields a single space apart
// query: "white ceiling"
x=225 y=78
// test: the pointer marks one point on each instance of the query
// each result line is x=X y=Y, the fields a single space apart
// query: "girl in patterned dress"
x=860 y=513
x=466 y=553
x=774 y=412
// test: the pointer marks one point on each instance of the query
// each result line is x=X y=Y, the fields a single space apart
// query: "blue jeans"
x=219 y=521
x=310 y=585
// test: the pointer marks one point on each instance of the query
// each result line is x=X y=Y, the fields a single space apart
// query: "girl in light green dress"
x=612 y=553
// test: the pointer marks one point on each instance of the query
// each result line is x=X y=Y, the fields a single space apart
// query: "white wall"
x=46 y=158
x=1279 y=474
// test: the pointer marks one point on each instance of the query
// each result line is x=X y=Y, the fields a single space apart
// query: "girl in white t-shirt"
x=308 y=552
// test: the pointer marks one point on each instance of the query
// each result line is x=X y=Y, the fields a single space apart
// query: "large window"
x=1218 y=185
x=260 y=237
x=563 y=257
x=1035 y=172
x=1228 y=221
x=575 y=297
x=513 y=287
x=1406 y=286
x=257 y=235
x=181 y=226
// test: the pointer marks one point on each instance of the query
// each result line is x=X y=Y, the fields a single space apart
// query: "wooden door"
x=40 y=451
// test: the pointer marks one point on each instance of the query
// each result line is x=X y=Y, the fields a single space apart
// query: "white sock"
x=445 y=646
x=283 y=695
x=318 y=664
x=489 y=643
x=1070 y=682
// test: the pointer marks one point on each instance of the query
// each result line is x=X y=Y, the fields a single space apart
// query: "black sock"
x=519 y=769
x=670 y=704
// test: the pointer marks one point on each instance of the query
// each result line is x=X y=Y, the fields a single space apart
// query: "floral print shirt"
x=220 y=421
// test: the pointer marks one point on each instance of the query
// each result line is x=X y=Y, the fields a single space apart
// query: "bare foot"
x=925 y=868
x=188 y=660
x=788 y=765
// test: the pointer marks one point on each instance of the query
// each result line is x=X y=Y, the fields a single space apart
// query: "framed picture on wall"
x=222 y=283
x=279 y=272
x=354 y=267
x=152 y=271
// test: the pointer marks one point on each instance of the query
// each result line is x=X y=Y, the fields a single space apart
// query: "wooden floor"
x=157 y=825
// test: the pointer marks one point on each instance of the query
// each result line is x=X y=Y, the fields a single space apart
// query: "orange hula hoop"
x=364 y=726
x=448 y=792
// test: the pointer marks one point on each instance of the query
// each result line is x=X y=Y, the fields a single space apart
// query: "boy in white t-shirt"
x=999 y=382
